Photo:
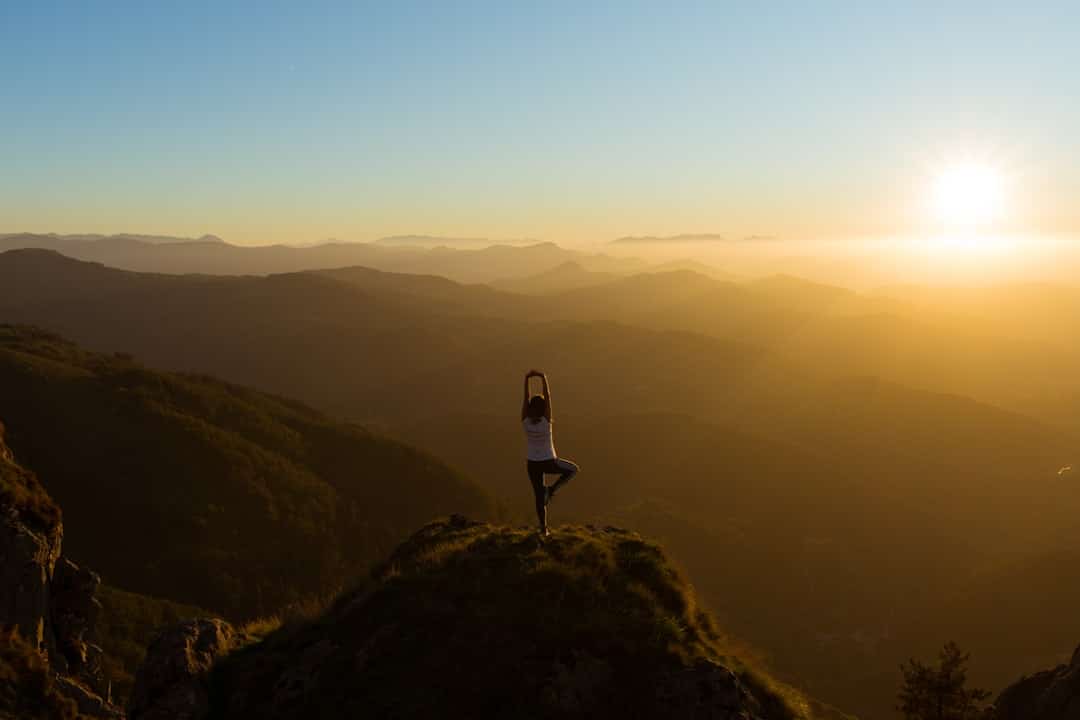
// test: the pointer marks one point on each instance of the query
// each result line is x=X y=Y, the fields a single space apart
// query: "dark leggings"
x=566 y=471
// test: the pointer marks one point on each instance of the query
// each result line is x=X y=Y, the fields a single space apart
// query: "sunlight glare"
x=969 y=195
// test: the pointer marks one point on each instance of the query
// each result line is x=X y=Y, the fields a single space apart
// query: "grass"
x=474 y=618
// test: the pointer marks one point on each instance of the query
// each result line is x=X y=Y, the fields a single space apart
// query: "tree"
x=940 y=693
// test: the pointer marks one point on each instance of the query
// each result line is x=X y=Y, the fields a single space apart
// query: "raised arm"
x=547 y=396
x=525 y=396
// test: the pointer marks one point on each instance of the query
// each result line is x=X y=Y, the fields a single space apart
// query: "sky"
x=572 y=122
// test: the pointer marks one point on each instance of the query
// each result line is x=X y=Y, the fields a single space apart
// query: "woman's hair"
x=537 y=407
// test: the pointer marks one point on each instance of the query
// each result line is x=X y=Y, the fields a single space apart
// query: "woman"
x=536 y=419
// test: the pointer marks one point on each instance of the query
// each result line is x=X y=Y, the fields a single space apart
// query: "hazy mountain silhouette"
x=568 y=276
x=433 y=241
x=691 y=238
x=53 y=241
x=211 y=256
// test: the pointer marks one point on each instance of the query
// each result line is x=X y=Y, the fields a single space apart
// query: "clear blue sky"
x=566 y=121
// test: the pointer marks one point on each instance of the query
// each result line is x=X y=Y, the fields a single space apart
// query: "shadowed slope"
x=188 y=488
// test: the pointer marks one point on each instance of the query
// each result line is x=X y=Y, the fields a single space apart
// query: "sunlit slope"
x=208 y=493
x=1002 y=345
x=1006 y=345
x=779 y=333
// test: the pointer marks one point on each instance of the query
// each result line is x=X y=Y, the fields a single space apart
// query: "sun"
x=968 y=196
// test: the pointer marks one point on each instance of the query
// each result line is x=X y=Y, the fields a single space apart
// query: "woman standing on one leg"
x=542 y=459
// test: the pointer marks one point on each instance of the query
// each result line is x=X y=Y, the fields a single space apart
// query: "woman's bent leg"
x=567 y=470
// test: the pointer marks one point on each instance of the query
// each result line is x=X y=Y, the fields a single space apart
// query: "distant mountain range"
x=693 y=238
x=431 y=241
x=5 y=238
x=773 y=421
x=209 y=255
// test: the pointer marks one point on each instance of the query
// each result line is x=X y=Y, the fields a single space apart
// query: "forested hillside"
x=207 y=493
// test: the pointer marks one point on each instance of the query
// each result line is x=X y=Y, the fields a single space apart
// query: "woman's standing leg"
x=536 y=477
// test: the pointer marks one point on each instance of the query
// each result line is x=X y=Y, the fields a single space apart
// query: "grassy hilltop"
x=468 y=619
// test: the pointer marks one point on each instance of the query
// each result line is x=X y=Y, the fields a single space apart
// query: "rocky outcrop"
x=172 y=682
x=73 y=612
x=1047 y=695
x=28 y=556
x=74 y=609
x=30 y=540
x=47 y=598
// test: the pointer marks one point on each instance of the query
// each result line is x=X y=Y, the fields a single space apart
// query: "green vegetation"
x=20 y=489
x=473 y=619
x=27 y=691
x=940 y=693
x=206 y=493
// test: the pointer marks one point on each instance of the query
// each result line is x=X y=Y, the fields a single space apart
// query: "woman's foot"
x=544 y=532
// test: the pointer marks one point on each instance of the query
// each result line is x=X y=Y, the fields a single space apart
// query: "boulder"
x=74 y=610
x=171 y=683
x=27 y=559
x=1047 y=695
x=48 y=599
x=89 y=703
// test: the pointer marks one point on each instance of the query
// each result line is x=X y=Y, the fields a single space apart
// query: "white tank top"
x=538 y=439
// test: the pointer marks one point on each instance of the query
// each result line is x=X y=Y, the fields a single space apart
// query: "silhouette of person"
x=541 y=456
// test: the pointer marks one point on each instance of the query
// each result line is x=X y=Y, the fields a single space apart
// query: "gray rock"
x=74 y=610
x=51 y=601
x=1047 y=695
x=171 y=683
x=27 y=559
